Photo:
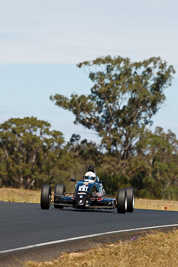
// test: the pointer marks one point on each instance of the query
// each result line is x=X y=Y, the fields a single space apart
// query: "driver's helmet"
x=89 y=177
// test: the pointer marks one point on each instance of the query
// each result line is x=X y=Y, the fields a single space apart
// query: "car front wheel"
x=121 y=201
x=130 y=199
x=45 y=196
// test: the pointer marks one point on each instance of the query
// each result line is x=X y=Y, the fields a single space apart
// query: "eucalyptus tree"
x=30 y=152
x=123 y=100
x=154 y=168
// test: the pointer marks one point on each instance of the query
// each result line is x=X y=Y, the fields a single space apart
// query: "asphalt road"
x=24 y=224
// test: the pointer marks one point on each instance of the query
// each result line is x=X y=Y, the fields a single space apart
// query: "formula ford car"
x=87 y=196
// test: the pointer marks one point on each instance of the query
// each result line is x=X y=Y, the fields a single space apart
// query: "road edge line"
x=84 y=237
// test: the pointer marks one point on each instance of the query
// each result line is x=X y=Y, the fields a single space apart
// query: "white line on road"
x=83 y=237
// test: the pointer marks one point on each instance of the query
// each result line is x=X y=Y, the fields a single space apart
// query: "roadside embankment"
x=155 y=249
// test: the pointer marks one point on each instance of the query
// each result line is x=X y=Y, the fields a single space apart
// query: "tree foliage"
x=29 y=152
x=124 y=97
x=158 y=154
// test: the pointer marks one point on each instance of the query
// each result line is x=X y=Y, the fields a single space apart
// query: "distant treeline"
x=31 y=154
x=124 y=98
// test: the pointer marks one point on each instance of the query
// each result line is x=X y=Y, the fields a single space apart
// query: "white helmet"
x=89 y=177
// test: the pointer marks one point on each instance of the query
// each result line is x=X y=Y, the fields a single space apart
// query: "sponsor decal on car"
x=83 y=188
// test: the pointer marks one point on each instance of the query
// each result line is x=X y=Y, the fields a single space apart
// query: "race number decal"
x=83 y=188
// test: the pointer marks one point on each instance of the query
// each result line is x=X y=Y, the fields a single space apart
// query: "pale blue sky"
x=41 y=41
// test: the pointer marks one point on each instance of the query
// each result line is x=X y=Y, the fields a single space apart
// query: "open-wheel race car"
x=89 y=193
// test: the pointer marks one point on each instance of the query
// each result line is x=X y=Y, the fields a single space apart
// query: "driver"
x=90 y=176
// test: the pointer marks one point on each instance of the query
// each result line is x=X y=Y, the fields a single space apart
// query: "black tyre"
x=58 y=190
x=130 y=199
x=45 y=196
x=121 y=201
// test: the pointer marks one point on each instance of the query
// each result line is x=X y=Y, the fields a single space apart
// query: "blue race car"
x=89 y=193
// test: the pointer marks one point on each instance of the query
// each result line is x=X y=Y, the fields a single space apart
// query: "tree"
x=153 y=169
x=122 y=102
x=30 y=152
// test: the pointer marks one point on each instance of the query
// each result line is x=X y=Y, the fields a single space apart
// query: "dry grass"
x=33 y=196
x=153 y=250
x=156 y=204
x=19 y=195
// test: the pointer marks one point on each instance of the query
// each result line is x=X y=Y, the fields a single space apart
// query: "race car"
x=89 y=193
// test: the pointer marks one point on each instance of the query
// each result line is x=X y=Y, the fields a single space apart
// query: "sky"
x=41 y=41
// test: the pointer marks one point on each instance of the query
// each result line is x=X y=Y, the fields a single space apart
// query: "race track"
x=24 y=224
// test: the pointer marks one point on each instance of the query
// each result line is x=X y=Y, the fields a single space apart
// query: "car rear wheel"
x=59 y=191
x=121 y=201
x=130 y=199
x=45 y=196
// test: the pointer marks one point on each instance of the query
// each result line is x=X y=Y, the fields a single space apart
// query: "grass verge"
x=19 y=195
x=33 y=196
x=155 y=204
x=152 y=250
